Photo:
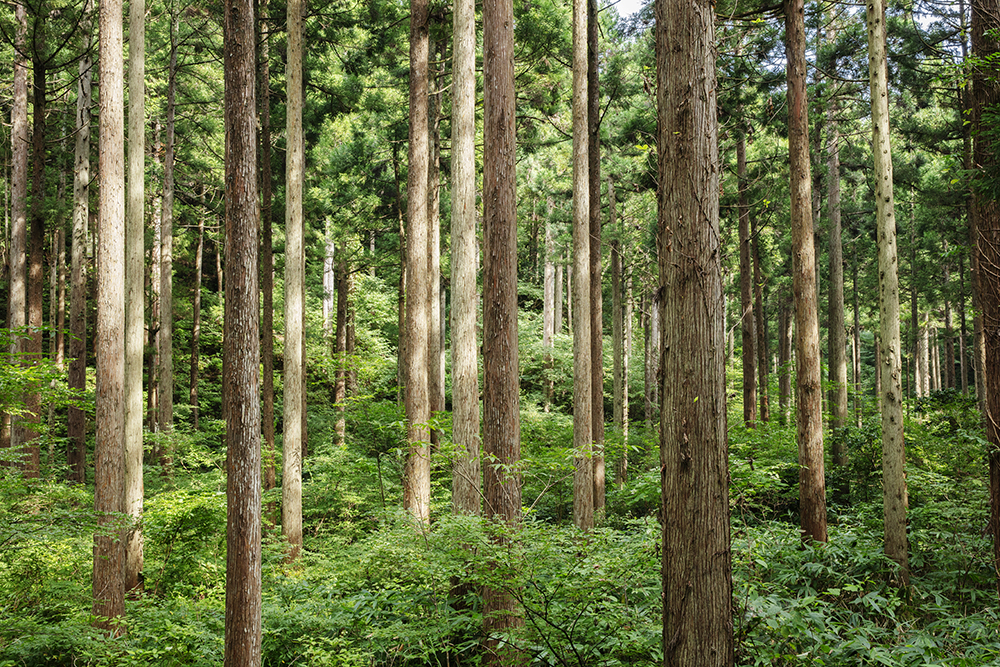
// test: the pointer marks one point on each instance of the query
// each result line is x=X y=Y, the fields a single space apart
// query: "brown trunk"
x=109 y=446
x=836 y=326
x=343 y=283
x=748 y=327
x=199 y=254
x=241 y=344
x=501 y=416
x=809 y=404
x=785 y=314
x=596 y=283
x=696 y=565
x=165 y=408
x=763 y=354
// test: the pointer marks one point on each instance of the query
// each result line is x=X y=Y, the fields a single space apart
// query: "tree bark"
x=891 y=397
x=619 y=334
x=748 y=325
x=697 y=566
x=836 y=326
x=583 y=384
x=464 y=265
x=986 y=221
x=343 y=289
x=199 y=257
x=435 y=331
x=77 y=379
x=416 y=395
x=291 y=478
x=19 y=205
x=809 y=404
x=785 y=316
x=109 y=449
x=548 y=310
x=596 y=283
x=135 y=317
x=165 y=408
x=501 y=414
x=241 y=343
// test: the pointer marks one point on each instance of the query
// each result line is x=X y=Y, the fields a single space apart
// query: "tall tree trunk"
x=343 y=289
x=416 y=395
x=18 y=307
x=785 y=315
x=329 y=285
x=241 y=343
x=109 y=446
x=557 y=326
x=891 y=403
x=962 y=328
x=760 y=319
x=986 y=221
x=166 y=389
x=77 y=419
x=596 y=283
x=291 y=478
x=583 y=384
x=836 y=326
x=619 y=334
x=948 y=372
x=135 y=317
x=464 y=265
x=199 y=257
x=809 y=406
x=153 y=394
x=501 y=414
x=266 y=260
x=697 y=566
x=548 y=310
x=435 y=331
x=748 y=327
x=857 y=340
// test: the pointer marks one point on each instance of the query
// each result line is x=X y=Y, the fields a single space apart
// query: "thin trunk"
x=109 y=446
x=785 y=316
x=891 y=403
x=948 y=372
x=962 y=327
x=464 y=266
x=835 y=324
x=241 y=343
x=596 y=283
x=557 y=326
x=77 y=419
x=809 y=404
x=18 y=251
x=329 y=285
x=165 y=408
x=266 y=263
x=548 y=310
x=291 y=478
x=134 y=296
x=199 y=255
x=696 y=561
x=857 y=340
x=435 y=346
x=343 y=290
x=501 y=420
x=416 y=395
x=748 y=327
x=760 y=319
x=152 y=396
x=583 y=406
x=618 y=337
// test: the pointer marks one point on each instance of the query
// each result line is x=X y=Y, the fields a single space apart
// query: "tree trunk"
x=343 y=289
x=109 y=445
x=785 y=315
x=557 y=327
x=697 y=567
x=241 y=343
x=291 y=478
x=135 y=317
x=464 y=265
x=329 y=286
x=416 y=395
x=948 y=372
x=891 y=403
x=836 y=326
x=583 y=383
x=962 y=328
x=619 y=333
x=501 y=414
x=760 y=319
x=166 y=389
x=435 y=331
x=77 y=379
x=596 y=283
x=266 y=261
x=748 y=327
x=857 y=341
x=19 y=206
x=809 y=404
x=199 y=256
x=986 y=221
x=548 y=310
x=152 y=395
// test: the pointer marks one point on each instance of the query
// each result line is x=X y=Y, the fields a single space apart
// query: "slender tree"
x=416 y=395
x=199 y=254
x=291 y=478
x=19 y=202
x=809 y=403
x=619 y=334
x=77 y=378
x=748 y=325
x=501 y=415
x=891 y=403
x=241 y=344
x=134 y=293
x=697 y=569
x=165 y=406
x=986 y=216
x=583 y=382
x=596 y=283
x=464 y=264
x=109 y=445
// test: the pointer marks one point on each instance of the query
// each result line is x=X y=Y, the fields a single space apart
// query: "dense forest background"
x=367 y=587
